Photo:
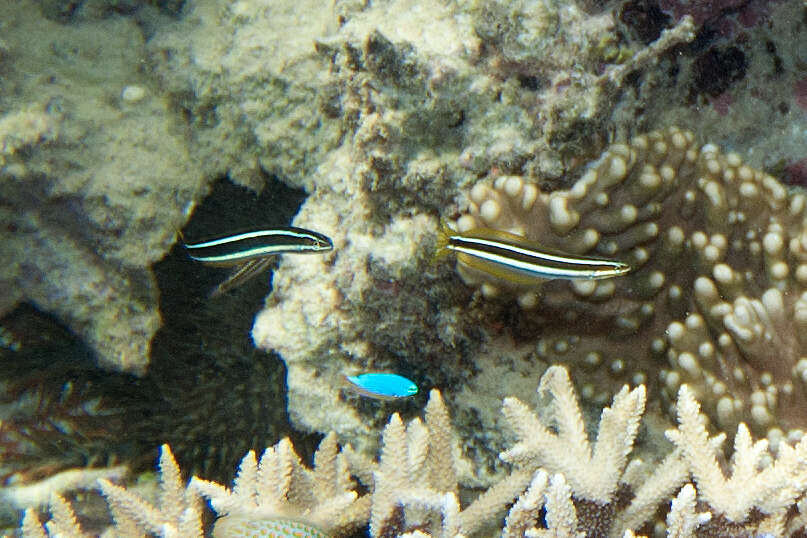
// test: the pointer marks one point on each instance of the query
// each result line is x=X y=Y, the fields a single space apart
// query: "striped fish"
x=256 y=527
x=515 y=259
x=252 y=252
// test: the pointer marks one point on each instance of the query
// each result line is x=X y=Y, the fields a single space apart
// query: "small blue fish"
x=382 y=386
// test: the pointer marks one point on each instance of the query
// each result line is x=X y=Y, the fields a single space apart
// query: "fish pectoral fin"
x=242 y=273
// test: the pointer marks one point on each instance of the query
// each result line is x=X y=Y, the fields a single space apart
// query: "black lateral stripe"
x=528 y=255
x=256 y=244
x=260 y=246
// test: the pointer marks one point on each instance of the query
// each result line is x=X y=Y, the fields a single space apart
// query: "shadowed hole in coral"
x=225 y=397
x=717 y=69
x=58 y=410
x=207 y=392
x=645 y=19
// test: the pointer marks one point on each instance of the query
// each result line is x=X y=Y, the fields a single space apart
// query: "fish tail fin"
x=444 y=233
x=181 y=237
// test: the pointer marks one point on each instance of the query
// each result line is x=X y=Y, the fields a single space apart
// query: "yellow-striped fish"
x=515 y=259
x=255 y=527
x=252 y=252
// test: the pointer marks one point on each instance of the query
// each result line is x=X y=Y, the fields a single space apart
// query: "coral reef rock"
x=95 y=180
x=715 y=299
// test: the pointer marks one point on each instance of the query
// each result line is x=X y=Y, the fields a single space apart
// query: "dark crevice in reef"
x=208 y=392
x=58 y=409
x=718 y=68
x=645 y=19
x=225 y=396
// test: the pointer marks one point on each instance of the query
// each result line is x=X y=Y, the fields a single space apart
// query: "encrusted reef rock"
x=385 y=112
x=716 y=298
x=95 y=179
x=418 y=124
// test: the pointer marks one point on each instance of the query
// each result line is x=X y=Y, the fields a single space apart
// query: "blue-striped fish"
x=382 y=386
x=252 y=252
x=518 y=260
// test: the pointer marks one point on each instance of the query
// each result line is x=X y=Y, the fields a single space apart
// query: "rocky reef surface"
x=96 y=178
x=116 y=118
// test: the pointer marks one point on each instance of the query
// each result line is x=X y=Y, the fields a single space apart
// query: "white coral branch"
x=753 y=482
x=561 y=515
x=63 y=520
x=32 y=526
x=662 y=482
x=592 y=472
x=177 y=512
x=682 y=520
x=525 y=512
x=281 y=486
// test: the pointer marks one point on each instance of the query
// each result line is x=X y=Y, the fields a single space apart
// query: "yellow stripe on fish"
x=516 y=259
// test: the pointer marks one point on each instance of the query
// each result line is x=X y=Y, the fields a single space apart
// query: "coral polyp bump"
x=718 y=295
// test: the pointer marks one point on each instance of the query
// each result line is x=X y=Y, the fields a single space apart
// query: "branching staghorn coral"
x=593 y=481
x=718 y=295
x=416 y=486
x=759 y=491
x=177 y=511
x=279 y=491
x=590 y=490
x=583 y=489
x=280 y=487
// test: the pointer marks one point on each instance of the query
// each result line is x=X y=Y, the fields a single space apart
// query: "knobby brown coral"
x=718 y=295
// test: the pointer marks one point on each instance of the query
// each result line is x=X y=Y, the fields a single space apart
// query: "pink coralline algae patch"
x=722 y=103
x=796 y=173
x=747 y=14
x=800 y=93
